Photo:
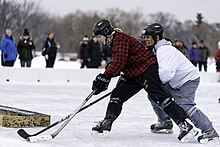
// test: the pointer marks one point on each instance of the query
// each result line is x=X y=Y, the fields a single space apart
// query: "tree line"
x=71 y=28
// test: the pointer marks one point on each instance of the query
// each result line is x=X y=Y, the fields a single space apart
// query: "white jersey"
x=174 y=67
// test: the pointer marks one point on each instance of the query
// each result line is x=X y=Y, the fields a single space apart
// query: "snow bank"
x=48 y=75
x=64 y=76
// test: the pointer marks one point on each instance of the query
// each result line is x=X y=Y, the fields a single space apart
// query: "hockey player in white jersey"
x=180 y=79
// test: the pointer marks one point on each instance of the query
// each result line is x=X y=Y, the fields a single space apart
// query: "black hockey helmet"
x=103 y=27
x=154 y=30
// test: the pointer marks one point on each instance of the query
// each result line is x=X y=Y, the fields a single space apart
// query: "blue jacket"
x=8 y=47
x=194 y=54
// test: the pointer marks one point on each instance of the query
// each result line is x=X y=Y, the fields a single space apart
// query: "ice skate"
x=208 y=136
x=165 y=127
x=104 y=125
x=187 y=132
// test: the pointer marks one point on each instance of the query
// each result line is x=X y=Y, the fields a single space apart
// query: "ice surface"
x=131 y=129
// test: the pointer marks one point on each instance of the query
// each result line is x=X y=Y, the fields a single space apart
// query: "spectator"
x=203 y=56
x=9 y=50
x=50 y=48
x=194 y=54
x=217 y=58
x=83 y=52
x=25 y=48
x=94 y=53
x=181 y=47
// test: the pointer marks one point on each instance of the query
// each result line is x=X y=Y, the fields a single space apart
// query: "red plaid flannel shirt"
x=129 y=57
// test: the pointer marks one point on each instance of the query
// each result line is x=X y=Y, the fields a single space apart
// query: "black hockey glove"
x=121 y=80
x=100 y=83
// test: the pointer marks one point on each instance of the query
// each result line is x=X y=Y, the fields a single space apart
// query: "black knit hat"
x=25 y=33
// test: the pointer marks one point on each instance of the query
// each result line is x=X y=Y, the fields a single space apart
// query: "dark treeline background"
x=70 y=29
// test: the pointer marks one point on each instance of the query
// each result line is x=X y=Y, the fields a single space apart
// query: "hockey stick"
x=25 y=135
x=95 y=101
x=54 y=134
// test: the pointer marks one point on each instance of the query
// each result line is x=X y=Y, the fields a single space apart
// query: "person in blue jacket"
x=8 y=48
x=194 y=54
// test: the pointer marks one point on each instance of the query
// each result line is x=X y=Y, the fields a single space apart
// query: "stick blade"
x=39 y=138
x=23 y=134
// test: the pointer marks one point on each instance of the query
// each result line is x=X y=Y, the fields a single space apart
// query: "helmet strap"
x=109 y=39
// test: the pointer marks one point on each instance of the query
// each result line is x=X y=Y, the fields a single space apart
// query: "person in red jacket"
x=140 y=69
x=217 y=58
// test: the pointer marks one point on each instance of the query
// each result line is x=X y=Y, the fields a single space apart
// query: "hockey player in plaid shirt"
x=140 y=70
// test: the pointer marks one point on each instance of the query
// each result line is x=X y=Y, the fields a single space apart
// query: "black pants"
x=204 y=64
x=84 y=63
x=8 y=63
x=152 y=85
x=50 y=62
x=25 y=63
x=218 y=66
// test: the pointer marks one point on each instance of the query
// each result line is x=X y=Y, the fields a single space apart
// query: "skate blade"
x=163 y=131
x=207 y=140
x=103 y=134
x=192 y=133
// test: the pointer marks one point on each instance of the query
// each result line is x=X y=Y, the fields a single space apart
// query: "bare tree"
x=7 y=16
x=74 y=27
x=70 y=29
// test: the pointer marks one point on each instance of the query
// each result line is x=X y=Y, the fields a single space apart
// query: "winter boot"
x=208 y=136
x=186 y=132
x=104 y=125
x=165 y=127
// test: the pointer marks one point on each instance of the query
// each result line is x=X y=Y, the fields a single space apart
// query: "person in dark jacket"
x=140 y=69
x=94 y=53
x=25 y=48
x=194 y=54
x=50 y=50
x=8 y=48
x=203 y=55
x=83 y=52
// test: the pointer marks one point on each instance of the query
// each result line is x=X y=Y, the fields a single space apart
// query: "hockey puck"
x=218 y=100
